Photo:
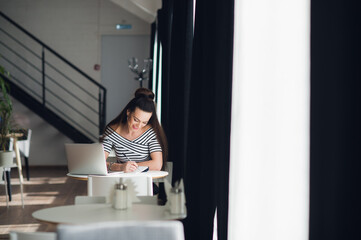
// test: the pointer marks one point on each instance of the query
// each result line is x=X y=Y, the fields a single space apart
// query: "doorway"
x=115 y=74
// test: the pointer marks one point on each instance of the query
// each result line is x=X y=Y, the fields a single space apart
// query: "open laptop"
x=86 y=158
x=89 y=159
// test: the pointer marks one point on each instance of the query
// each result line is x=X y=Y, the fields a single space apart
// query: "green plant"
x=6 y=108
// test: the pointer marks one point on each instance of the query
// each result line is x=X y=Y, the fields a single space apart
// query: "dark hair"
x=143 y=99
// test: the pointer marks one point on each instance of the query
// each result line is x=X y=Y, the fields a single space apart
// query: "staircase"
x=51 y=86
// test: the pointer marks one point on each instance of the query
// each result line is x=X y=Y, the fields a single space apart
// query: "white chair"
x=24 y=150
x=138 y=185
x=24 y=147
x=32 y=236
x=89 y=199
x=5 y=173
x=169 y=169
x=151 y=200
x=132 y=230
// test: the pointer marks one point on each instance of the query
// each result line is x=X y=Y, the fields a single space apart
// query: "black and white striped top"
x=138 y=150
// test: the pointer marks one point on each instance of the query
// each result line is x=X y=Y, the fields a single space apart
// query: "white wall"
x=74 y=29
x=47 y=143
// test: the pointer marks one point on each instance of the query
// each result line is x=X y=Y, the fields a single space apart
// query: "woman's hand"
x=130 y=166
x=156 y=163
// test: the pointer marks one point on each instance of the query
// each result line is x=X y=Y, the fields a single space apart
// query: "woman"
x=136 y=136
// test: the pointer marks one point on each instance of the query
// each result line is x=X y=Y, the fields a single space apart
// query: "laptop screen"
x=86 y=158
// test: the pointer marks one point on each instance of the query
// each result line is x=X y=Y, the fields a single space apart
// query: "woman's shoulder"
x=149 y=131
x=113 y=127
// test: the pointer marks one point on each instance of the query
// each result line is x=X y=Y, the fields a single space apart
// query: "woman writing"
x=136 y=136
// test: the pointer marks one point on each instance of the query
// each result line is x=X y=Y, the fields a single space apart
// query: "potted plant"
x=6 y=156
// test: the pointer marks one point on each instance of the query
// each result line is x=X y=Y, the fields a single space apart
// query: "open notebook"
x=141 y=169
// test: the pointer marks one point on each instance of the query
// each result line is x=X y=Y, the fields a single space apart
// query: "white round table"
x=153 y=174
x=91 y=213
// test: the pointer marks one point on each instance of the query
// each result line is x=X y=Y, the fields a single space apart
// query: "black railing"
x=55 y=82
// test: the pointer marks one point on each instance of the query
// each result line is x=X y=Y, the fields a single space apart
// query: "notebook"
x=141 y=169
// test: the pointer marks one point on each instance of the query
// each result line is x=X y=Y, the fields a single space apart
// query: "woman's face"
x=138 y=119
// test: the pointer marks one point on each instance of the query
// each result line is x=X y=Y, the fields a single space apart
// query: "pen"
x=130 y=160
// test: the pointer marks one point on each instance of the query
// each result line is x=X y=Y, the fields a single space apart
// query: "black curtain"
x=177 y=89
x=176 y=36
x=207 y=162
x=196 y=106
x=153 y=30
x=165 y=20
x=335 y=192
x=175 y=30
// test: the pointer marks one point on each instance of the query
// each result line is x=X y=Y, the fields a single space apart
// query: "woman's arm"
x=156 y=163
x=129 y=166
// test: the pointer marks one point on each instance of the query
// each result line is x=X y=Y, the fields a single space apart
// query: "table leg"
x=162 y=196
x=18 y=162
x=6 y=189
x=8 y=183
x=27 y=167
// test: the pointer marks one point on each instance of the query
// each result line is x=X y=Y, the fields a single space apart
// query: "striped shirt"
x=137 y=150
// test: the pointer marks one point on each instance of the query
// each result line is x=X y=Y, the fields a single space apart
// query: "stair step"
x=47 y=114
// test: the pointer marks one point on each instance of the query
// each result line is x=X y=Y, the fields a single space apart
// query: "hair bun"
x=144 y=92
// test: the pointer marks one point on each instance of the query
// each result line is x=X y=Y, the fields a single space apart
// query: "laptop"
x=86 y=158
x=89 y=159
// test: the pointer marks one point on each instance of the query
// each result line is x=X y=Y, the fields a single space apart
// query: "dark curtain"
x=153 y=29
x=335 y=192
x=207 y=162
x=165 y=18
x=177 y=90
x=196 y=106
x=175 y=35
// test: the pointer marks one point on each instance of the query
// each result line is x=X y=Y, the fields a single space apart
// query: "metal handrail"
x=52 y=51
x=101 y=89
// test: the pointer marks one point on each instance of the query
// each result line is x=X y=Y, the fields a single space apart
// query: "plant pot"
x=6 y=158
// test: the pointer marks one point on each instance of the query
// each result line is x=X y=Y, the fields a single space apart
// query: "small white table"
x=91 y=213
x=153 y=174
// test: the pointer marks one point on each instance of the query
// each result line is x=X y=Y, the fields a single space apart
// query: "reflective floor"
x=48 y=187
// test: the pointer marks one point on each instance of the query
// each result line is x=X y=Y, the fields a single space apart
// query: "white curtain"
x=269 y=166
